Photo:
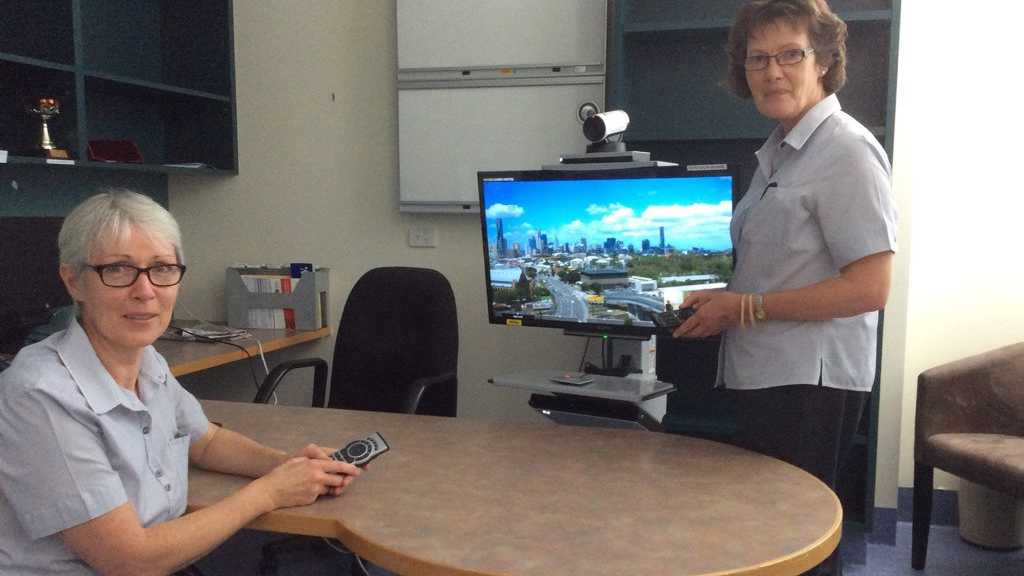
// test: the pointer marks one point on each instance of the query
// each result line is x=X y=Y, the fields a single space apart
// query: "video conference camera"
x=599 y=127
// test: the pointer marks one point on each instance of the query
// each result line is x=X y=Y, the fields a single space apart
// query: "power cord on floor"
x=349 y=552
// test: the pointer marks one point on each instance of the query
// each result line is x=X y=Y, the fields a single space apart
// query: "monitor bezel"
x=596 y=173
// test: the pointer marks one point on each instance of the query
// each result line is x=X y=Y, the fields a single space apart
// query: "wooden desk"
x=457 y=496
x=188 y=357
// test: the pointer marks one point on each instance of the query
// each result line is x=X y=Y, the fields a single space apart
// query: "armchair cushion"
x=995 y=460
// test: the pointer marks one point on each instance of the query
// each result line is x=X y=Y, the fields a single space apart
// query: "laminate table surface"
x=459 y=496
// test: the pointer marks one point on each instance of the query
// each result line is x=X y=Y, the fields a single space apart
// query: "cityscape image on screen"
x=600 y=250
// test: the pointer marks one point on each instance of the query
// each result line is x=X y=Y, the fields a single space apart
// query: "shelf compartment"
x=38 y=29
x=726 y=23
x=675 y=89
x=20 y=131
x=675 y=85
x=167 y=127
x=671 y=15
x=171 y=43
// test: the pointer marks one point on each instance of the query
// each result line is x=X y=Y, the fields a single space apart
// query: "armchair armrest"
x=418 y=386
x=270 y=383
x=978 y=394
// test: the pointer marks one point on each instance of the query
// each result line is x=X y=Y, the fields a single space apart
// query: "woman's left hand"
x=713 y=311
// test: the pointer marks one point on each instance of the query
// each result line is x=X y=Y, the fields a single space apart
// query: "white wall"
x=957 y=162
x=318 y=182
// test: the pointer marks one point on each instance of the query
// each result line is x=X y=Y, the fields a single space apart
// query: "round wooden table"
x=457 y=496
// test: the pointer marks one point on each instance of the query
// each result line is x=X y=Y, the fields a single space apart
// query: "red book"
x=289 y=313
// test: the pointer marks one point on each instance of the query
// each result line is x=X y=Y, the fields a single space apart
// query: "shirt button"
x=145 y=429
x=159 y=473
x=167 y=488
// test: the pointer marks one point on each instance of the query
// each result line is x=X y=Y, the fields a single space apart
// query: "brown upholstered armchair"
x=970 y=422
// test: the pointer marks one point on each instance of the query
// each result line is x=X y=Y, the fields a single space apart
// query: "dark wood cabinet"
x=157 y=73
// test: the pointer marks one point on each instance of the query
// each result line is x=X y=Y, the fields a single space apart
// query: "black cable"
x=583 y=359
x=252 y=371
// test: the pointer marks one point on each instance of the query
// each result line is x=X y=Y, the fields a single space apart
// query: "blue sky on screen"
x=694 y=211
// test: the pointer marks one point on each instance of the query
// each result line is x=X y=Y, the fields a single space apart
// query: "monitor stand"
x=609 y=366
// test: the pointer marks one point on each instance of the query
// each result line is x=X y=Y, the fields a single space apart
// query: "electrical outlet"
x=423 y=236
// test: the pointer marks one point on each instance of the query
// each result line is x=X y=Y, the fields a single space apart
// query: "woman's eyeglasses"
x=785 y=58
x=124 y=275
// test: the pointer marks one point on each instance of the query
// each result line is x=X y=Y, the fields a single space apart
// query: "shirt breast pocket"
x=177 y=465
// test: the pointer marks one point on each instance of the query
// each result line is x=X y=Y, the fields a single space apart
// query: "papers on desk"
x=204 y=331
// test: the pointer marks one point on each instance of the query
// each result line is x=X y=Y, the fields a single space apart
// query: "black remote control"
x=672 y=319
x=360 y=452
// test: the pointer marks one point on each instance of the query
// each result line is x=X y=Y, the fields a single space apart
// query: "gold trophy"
x=47 y=109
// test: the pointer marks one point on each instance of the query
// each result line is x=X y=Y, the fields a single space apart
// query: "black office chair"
x=396 y=350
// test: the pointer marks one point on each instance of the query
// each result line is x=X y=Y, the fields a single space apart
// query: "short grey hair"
x=113 y=214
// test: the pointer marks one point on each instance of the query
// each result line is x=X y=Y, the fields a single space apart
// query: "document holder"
x=304 y=305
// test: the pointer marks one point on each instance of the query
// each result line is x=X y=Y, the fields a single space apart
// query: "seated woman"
x=96 y=435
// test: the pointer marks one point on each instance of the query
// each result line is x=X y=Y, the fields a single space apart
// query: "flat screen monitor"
x=602 y=251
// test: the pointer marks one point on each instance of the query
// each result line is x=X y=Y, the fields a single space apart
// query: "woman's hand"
x=316 y=452
x=299 y=481
x=713 y=311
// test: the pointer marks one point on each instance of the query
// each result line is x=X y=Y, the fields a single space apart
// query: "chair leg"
x=923 y=482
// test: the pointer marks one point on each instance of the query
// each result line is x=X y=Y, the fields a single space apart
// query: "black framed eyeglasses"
x=124 y=275
x=785 y=58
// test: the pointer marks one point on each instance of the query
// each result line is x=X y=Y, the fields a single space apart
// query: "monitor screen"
x=603 y=250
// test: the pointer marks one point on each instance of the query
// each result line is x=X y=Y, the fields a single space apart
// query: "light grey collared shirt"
x=74 y=445
x=820 y=200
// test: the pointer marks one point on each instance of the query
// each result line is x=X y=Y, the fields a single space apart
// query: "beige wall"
x=318 y=182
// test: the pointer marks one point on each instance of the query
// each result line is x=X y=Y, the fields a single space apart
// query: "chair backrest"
x=399 y=325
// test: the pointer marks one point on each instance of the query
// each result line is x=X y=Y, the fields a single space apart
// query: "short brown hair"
x=825 y=30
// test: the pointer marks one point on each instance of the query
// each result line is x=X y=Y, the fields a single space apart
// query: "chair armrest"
x=418 y=386
x=270 y=383
x=978 y=394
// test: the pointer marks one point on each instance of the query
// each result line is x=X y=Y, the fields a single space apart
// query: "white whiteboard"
x=491 y=118
x=446 y=136
x=468 y=33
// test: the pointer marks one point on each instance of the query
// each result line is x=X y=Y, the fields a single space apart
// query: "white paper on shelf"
x=60 y=161
x=3 y=156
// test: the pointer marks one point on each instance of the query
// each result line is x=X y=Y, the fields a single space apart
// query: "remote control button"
x=358 y=450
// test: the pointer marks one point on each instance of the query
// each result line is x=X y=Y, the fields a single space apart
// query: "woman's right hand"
x=713 y=312
x=299 y=481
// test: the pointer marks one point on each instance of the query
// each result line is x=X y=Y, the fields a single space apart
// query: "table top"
x=458 y=496
x=630 y=389
x=185 y=357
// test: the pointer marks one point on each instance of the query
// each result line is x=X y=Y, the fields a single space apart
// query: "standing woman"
x=96 y=434
x=814 y=239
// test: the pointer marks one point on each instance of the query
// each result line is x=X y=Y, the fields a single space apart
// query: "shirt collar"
x=98 y=387
x=798 y=136
x=818 y=113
